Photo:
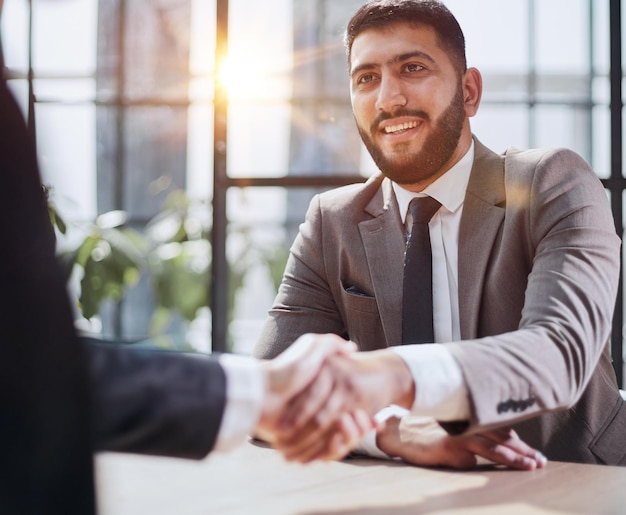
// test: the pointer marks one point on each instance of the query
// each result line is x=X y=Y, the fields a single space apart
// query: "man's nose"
x=391 y=94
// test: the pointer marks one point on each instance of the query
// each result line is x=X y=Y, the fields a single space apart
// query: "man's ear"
x=472 y=91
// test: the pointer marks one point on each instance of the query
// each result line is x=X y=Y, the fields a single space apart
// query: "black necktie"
x=417 y=290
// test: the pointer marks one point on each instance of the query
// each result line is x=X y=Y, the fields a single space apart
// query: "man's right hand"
x=355 y=385
x=359 y=380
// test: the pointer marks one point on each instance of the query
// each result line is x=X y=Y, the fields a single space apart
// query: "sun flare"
x=246 y=79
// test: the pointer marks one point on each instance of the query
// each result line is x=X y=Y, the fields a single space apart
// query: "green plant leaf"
x=111 y=265
x=56 y=219
x=180 y=274
x=276 y=260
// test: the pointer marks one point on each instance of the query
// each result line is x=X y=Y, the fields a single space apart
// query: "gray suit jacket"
x=538 y=271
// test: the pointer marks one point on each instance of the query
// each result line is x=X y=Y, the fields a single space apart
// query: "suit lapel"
x=383 y=240
x=483 y=214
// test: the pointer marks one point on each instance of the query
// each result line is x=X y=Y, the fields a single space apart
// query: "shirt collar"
x=449 y=189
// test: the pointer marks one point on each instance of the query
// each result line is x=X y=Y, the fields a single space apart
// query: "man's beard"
x=440 y=144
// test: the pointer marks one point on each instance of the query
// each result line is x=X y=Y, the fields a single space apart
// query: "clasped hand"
x=321 y=396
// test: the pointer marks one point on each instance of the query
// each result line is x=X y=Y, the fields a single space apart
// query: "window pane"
x=496 y=33
x=563 y=126
x=601 y=39
x=258 y=139
x=200 y=151
x=67 y=156
x=155 y=157
x=59 y=49
x=260 y=50
x=502 y=126
x=15 y=34
x=562 y=36
x=259 y=236
x=156 y=49
x=601 y=142
x=300 y=60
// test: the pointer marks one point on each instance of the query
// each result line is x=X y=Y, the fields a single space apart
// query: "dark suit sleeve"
x=155 y=402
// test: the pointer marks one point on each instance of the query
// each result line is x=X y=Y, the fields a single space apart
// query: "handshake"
x=321 y=396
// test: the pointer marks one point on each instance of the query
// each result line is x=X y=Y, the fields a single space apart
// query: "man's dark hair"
x=383 y=13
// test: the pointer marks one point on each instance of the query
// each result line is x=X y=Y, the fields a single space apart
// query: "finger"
x=367 y=423
x=304 y=407
x=343 y=441
x=346 y=347
x=509 y=438
x=324 y=410
x=306 y=450
x=352 y=428
x=336 y=404
x=315 y=430
x=335 y=444
x=499 y=453
x=337 y=441
x=363 y=424
x=313 y=349
x=301 y=363
x=305 y=440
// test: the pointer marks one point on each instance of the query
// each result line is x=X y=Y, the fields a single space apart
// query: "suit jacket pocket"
x=357 y=299
x=361 y=318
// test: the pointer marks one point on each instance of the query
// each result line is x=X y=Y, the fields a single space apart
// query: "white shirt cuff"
x=440 y=390
x=245 y=390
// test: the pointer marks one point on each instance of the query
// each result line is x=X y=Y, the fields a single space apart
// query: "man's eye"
x=364 y=79
x=413 y=67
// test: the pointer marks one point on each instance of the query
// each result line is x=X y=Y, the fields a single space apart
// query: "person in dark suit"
x=44 y=396
x=62 y=398
x=44 y=417
x=525 y=257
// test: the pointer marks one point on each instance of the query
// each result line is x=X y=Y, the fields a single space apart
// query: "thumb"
x=303 y=360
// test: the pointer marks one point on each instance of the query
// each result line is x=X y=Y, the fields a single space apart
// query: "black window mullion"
x=219 y=265
x=616 y=185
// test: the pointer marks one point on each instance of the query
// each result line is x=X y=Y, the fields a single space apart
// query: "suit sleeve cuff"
x=440 y=390
x=245 y=387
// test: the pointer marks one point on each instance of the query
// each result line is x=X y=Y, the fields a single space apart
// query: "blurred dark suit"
x=44 y=416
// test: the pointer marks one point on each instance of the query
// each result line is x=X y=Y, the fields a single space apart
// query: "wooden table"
x=255 y=481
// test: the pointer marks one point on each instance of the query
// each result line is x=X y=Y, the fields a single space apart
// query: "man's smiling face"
x=408 y=103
